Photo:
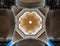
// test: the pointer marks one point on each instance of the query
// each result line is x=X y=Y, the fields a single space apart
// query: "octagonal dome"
x=30 y=23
